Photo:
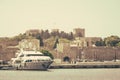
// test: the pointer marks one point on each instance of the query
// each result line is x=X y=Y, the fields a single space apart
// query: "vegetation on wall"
x=47 y=53
x=111 y=41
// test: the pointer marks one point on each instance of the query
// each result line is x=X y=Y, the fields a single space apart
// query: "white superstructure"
x=31 y=60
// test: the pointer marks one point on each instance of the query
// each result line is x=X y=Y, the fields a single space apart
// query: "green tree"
x=47 y=53
x=62 y=34
x=112 y=41
x=70 y=36
x=55 y=33
x=118 y=44
x=40 y=39
x=100 y=43
x=55 y=44
x=46 y=34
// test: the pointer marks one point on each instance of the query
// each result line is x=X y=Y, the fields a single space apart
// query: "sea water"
x=62 y=74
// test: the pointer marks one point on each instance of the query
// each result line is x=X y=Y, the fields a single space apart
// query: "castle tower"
x=79 y=32
x=55 y=30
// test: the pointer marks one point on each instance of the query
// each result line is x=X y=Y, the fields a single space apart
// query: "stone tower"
x=79 y=32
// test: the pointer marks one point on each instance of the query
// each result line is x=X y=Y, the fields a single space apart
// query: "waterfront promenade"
x=87 y=65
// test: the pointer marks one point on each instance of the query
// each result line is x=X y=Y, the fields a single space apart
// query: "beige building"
x=84 y=41
x=79 y=42
x=29 y=44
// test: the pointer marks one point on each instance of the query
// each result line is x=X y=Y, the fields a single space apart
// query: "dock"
x=75 y=66
x=5 y=67
x=86 y=65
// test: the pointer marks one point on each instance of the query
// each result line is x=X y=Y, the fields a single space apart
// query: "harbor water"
x=62 y=74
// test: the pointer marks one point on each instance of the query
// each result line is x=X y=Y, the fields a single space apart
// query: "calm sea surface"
x=62 y=74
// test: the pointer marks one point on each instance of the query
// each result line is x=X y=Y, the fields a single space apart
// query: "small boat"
x=31 y=60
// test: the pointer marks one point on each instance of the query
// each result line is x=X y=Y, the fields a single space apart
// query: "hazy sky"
x=100 y=18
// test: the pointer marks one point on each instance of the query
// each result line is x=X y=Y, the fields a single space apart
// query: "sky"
x=99 y=18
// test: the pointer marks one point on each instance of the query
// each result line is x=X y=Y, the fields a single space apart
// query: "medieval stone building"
x=84 y=49
x=66 y=52
x=29 y=44
x=80 y=49
x=7 y=49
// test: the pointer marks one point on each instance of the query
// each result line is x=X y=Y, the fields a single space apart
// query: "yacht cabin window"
x=34 y=55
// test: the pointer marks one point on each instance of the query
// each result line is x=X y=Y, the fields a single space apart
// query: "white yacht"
x=31 y=60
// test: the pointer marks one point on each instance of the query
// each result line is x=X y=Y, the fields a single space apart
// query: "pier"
x=86 y=65
x=6 y=67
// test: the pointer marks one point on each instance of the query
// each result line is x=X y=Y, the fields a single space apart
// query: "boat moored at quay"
x=31 y=60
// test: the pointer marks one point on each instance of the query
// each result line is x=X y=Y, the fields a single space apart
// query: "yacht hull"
x=43 y=65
